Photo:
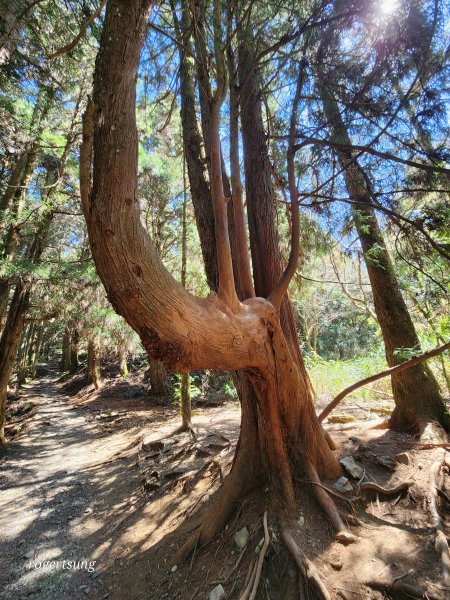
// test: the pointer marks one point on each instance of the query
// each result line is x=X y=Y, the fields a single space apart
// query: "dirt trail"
x=62 y=499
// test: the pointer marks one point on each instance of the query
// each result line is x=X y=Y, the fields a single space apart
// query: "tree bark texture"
x=280 y=433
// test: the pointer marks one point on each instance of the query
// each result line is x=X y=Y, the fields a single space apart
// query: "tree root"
x=329 y=507
x=306 y=567
x=371 y=485
x=431 y=432
x=441 y=543
x=253 y=582
x=397 y=589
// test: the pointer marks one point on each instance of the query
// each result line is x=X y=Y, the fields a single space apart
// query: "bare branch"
x=401 y=367
x=81 y=33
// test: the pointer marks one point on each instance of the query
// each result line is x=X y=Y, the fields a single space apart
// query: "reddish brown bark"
x=183 y=331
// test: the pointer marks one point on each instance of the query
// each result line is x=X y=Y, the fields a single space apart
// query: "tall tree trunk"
x=13 y=199
x=35 y=350
x=416 y=392
x=122 y=359
x=13 y=15
x=185 y=383
x=261 y=205
x=15 y=321
x=74 y=341
x=65 y=350
x=194 y=146
x=183 y=331
x=23 y=354
x=157 y=375
x=93 y=363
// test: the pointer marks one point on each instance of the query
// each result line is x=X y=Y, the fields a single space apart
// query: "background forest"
x=386 y=64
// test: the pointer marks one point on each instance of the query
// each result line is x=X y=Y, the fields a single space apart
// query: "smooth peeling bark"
x=417 y=396
x=180 y=330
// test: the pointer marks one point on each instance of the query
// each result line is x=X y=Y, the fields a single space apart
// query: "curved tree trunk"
x=417 y=396
x=180 y=330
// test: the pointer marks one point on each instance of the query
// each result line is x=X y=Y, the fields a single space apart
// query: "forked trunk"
x=280 y=434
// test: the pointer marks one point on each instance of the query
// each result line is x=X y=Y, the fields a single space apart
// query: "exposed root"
x=441 y=539
x=431 y=433
x=329 y=507
x=234 y=486
x=332 y=444
x=306 y=567
x=371 y=485
x=252 y=586
x=397 y=589
x=185 y=429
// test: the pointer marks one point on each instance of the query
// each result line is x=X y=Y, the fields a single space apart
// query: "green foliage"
x=329 y=377
x=194 y=390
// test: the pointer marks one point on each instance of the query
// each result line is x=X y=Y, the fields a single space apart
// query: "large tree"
x=280 y=434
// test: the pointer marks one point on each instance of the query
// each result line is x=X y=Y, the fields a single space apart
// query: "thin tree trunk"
x=93 y=364
x=73 y=350
x=185 y=383
x=36 y=350
x=195 y=153
x=65 y=351
x=417 y=396
x=123 y=367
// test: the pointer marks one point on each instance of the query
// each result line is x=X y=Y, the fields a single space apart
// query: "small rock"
x=336 y=564
x=241 y=537
x=386 y=461
x=354 y=470
x=343 y=485
x=174 y=568
x=403 y=458
x=29 y=554
x=218 y=593
x=301 y=521
x=87 y=589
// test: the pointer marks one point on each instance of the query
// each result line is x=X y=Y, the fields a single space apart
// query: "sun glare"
x=388 y=6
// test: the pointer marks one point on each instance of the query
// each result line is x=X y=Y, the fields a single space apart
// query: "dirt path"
x=63 y=499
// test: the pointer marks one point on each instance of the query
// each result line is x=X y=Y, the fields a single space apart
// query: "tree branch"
x=405 y=365
x=82 y=31
x=280 y=289
x=369 y=150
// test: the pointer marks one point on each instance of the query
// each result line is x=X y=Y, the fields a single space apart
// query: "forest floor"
x=101 y=477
